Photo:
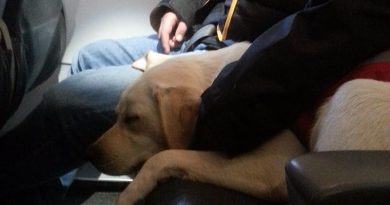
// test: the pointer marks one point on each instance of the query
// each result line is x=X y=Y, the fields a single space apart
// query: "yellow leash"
x=222 y=35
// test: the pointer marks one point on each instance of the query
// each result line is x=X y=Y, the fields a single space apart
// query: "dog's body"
x=357 y=117
x=156 y=117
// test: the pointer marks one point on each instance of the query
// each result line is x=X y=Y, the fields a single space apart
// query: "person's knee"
x=113 y=52
x=80 y=93
x=93 y=91
x=82 y=106
x=82 y=60
x=62 y=100
x=88 y=57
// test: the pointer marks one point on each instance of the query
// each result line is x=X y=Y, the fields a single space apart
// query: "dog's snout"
x=92 y=153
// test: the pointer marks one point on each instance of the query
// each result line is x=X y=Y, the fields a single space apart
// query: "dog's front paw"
x=146 y=179
x=137 y=190
x=128 y=198
x=159 y=167
x=124 y=200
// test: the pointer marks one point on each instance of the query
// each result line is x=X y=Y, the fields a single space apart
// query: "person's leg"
x=104 y=53
x=73 y=114
x=52 y=140
x=108 y=53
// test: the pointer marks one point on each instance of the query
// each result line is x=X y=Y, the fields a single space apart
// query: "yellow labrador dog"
x=157 y=114
x=156 y=117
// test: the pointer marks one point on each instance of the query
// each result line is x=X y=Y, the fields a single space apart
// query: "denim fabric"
x=117 y=53
x=53 y=138
x=112 y=53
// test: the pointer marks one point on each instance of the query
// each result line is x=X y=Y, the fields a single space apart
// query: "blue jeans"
x=52 y=140
x=72 y=115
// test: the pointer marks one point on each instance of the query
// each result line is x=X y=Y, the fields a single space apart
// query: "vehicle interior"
x=342 y=177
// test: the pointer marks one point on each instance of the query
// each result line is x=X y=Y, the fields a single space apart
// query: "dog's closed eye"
x=129 y=119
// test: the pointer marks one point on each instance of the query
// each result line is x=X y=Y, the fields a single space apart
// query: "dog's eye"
x=130 y=119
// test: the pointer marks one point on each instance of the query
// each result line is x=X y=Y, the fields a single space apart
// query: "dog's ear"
x=149 y=60
x=178 y=109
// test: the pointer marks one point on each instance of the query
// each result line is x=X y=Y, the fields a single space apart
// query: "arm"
x=285 y=69
x=185 y=9
x=171 y=18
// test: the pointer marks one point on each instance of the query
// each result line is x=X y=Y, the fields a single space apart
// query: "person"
x=298 y=49
x=286 y=69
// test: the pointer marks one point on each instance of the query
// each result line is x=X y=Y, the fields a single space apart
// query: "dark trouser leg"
x=52 y=140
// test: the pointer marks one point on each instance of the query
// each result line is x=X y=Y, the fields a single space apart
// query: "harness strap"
x=223 y=34
x=204 y=32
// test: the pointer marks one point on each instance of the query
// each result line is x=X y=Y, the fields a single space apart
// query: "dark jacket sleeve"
x=285 y=69
x=253 y=17
x=185 y=9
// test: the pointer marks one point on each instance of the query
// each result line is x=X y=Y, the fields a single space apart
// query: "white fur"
x=357 y=117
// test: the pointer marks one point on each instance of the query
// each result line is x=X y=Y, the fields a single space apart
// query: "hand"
x=171 y=32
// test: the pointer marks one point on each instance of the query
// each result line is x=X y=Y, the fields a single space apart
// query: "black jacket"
x=249 y=20
x=286 y=69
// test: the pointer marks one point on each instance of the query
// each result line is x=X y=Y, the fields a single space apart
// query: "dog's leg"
x=357 y=117
x=259 y=173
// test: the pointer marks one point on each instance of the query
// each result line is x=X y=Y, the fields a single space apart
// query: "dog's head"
x=159 y=110
x=153 y=114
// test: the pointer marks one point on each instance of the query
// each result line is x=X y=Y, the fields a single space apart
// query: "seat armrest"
x=342 y=177
x=184 y=192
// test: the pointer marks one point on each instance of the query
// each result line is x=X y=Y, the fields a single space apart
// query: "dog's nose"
x=94 y=154
x=90 y=152
x=102 y=163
